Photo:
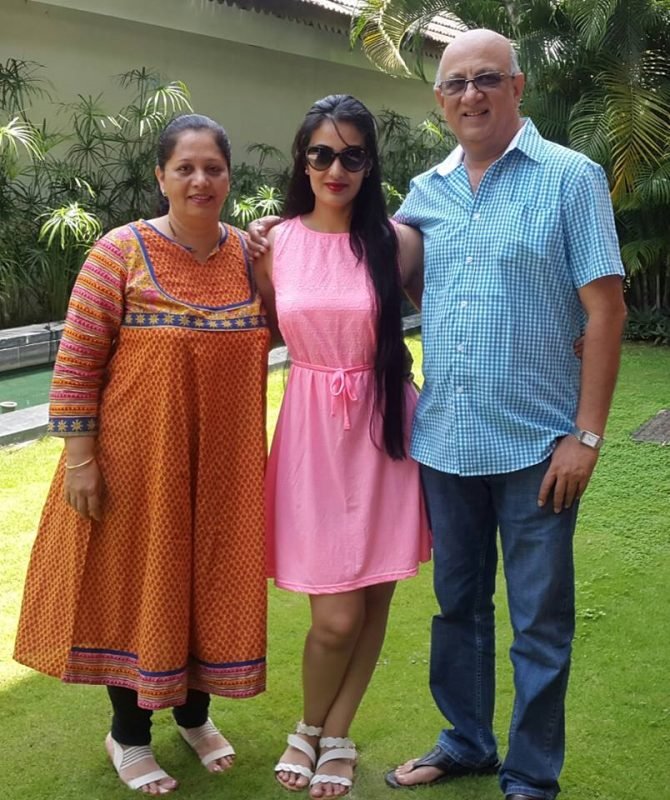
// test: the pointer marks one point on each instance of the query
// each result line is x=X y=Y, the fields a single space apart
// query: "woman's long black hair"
x=372 y=241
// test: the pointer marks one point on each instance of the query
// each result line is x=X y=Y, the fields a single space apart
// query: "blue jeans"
x=465 y=513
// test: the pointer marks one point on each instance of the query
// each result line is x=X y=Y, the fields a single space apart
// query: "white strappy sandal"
x=293 y=740
x=124 y=757
x=192 y=736
x=339 y=748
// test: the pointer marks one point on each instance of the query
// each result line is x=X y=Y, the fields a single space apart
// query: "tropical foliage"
x=408 y=150
x=649 y=325
x=60 y=191
x=598 y=80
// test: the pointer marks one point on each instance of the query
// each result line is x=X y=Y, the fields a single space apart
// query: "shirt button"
x=476 y=215
x=459 y=390
x=460 y=348
x=469 y=260
x=464 y=303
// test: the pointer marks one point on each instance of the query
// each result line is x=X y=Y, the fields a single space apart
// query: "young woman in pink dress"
x=345 y=512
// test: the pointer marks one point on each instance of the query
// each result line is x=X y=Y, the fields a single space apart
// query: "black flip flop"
x=440 y=760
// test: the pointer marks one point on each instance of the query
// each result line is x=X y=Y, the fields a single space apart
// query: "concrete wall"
x=254 y=73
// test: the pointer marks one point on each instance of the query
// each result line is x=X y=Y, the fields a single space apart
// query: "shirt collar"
x=526 y=139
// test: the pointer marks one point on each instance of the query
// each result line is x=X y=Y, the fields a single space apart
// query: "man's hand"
x=572 y=462
x=570 y=469
x=257 y=232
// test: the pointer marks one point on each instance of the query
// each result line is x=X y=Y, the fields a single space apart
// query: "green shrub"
x=257 y=189
x=408 y=150
x=59 y=191
x=648 y=326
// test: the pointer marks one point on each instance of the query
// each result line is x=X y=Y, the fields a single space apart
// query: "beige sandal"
x=128 y=756
x=294 y=740
x=192 y=736
x=339 y=749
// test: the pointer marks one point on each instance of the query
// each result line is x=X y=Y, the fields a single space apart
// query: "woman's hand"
x=83 y=480
x=257 y=231
x=263 y=277
x=578 y=346
x=410 y=260
x=83 y=490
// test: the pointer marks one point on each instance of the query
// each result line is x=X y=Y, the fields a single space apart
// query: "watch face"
x=590 y=439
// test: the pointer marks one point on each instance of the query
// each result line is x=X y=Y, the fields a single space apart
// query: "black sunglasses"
x=482 y=83
x=320 y=157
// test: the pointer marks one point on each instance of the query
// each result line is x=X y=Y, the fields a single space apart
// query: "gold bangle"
x=83 y=463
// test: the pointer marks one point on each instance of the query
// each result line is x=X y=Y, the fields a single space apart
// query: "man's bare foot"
x=407 y=775
x=138 y=769
x=212 y=748
x=434 y=767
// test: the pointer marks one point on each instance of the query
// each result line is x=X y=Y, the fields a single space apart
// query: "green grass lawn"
x=619 y=700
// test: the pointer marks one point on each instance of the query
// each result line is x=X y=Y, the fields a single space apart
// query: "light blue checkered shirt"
x=500 y=305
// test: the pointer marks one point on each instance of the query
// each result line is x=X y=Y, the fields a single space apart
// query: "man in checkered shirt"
x=521 y=256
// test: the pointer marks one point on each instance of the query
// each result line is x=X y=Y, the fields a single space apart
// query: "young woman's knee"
x=338 y=629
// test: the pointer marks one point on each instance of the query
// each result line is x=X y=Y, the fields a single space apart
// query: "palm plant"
x=257 y=189
x=20 y=83
x=266 y=201
x=392 y=31
x=18 y=137
x=59 y=191
x=598 y=80
x=408 y=150
x=18 y=133
x=67 y=233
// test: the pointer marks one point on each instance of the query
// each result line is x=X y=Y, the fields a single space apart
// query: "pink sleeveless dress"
x=341 y=514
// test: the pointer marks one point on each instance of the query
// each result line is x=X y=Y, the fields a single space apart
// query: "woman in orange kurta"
x=147 y=574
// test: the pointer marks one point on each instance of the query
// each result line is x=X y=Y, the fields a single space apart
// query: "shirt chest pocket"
x=527 y=236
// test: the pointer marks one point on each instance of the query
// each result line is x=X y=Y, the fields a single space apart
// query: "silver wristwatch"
x=588 y=438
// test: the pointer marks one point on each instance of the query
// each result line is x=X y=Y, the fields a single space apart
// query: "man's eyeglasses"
x=320 y=157
x=482 y=83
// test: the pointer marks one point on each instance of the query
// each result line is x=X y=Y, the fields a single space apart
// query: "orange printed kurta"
x=164 y=359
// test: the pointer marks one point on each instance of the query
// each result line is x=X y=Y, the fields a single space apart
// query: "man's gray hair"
x=514 y=67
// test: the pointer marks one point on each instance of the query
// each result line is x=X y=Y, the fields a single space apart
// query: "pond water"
x=26 y=387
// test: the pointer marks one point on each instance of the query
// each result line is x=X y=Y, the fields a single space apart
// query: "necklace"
x=172 y=230
x=190 y=247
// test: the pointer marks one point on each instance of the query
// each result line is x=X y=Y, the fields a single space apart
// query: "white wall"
x=259 y=89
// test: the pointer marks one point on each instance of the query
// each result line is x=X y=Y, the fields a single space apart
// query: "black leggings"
x=131 y=725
